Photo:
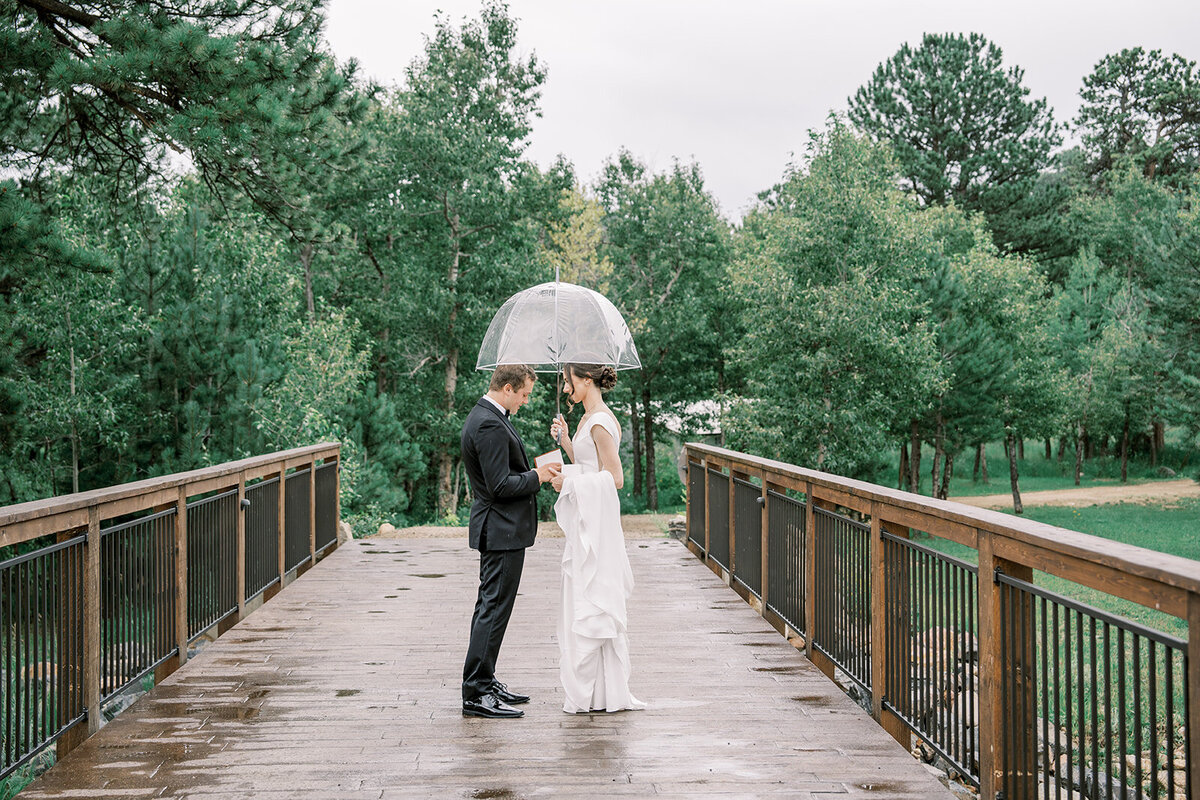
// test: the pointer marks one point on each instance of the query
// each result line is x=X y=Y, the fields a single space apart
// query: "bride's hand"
x=557 y=427
x=557 y=482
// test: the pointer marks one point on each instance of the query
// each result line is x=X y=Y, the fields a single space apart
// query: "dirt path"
x=1165 y=492
x=637 y=526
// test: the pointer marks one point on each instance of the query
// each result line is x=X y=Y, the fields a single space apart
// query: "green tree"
x=963 y=129
x=1144 y=106
x=243 y=88
x=837 y=348
x=669 y=250
x=449 y=225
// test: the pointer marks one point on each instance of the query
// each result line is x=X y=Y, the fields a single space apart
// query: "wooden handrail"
x=30 y=520
x=86 y=511
x=1005 y=544
x=1105 y=554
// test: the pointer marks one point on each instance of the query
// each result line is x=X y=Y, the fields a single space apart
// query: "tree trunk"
x=1021 y=448
x=1160 y=435
x=1080 y=440
x=1125 y=447
x=1049 y=449
x=978 y=461
x=947 y=474
x=1012 y=472
x=914 y=460
x=446 y=500
x=938 y=452
x=1155 y=430
x=1062 y=447
x=635 y=423
x=651 y=480
x=903 y=464
x=983 y=464
x=306 y=253
x=74 y=429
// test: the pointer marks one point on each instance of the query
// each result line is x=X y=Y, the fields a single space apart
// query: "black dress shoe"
x=491 y=707
x=512 y=698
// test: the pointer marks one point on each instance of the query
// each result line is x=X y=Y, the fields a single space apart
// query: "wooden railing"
x=1068 y=697
x=108 y=595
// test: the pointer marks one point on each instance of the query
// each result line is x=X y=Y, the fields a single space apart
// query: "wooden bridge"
x=346 y=683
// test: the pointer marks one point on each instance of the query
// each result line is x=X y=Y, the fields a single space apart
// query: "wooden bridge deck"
x=346 y=685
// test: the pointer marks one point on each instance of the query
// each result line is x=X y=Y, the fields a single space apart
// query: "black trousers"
x=499 y=577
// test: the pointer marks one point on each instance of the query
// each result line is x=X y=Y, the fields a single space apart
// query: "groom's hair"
x=514 y=375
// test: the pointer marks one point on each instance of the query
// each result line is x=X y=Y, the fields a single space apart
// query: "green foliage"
x=962 y=128
x=668 y=247
x=446 y=228
x=836 y=349
x=1142 y=106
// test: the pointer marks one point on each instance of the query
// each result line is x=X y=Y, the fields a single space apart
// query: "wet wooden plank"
x=346 y=685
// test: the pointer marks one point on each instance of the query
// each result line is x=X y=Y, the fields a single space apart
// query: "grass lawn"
x=1037 y=473
x=1174 y=529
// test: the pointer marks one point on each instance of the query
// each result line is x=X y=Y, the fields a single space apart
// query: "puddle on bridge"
x=431 y=575
x=348 y=692
x=780 y=670
x=493 y=794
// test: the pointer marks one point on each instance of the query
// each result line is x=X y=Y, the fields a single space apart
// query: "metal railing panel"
x=41 y=644
x=262 y=537
x=931 y=607
x=1099 y=702
x=212 y=561
x=843 y=594
x=718 y=516
x=785 y=558
x=747 y=532
x=296 y=520
x=137 y=599
x=695 y=474
x=326 y=508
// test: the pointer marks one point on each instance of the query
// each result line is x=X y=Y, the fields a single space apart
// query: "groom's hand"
x=547 y=472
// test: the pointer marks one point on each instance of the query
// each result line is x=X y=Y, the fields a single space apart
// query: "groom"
x=503 y=524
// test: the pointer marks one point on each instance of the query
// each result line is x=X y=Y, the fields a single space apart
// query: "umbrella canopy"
x=552 y=324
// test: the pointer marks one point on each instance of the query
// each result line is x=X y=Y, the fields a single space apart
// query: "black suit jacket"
x=504 y=486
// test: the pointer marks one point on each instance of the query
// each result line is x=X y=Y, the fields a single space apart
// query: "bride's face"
x=573 y=387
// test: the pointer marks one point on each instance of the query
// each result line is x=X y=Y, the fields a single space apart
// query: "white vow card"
x=553 y=457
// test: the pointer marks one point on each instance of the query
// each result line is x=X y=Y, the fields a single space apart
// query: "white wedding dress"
x=597 y=581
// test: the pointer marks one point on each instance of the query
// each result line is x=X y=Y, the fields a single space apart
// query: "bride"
x=592 y=639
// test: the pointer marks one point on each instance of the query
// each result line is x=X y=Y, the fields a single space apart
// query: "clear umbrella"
x=555 y=323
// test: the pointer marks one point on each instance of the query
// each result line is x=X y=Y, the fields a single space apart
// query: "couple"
x=593 y=645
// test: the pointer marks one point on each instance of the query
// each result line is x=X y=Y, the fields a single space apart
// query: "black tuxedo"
x=503 y=523
x=504 y=486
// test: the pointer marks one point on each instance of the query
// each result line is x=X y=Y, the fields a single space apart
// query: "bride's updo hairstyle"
x=604 y=376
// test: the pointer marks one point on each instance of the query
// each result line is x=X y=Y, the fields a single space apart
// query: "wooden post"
x=732 y=522
x=241 y=546
x=1193 y=682
x=810 y=570
x=91 y=624
x=762 y=572
x=181 y=574
x=1001 y=745
x=707 y=506
x=282 y=522
x=880 y=631
x=312 y=513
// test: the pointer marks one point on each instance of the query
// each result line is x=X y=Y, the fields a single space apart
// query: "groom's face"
x=515 y=398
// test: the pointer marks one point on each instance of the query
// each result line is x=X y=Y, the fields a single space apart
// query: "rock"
x=1165 y=472
x=387 y=529
x=344 y=532
x=964 y=792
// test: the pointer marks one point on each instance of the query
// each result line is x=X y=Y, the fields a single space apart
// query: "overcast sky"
x=736 y=84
